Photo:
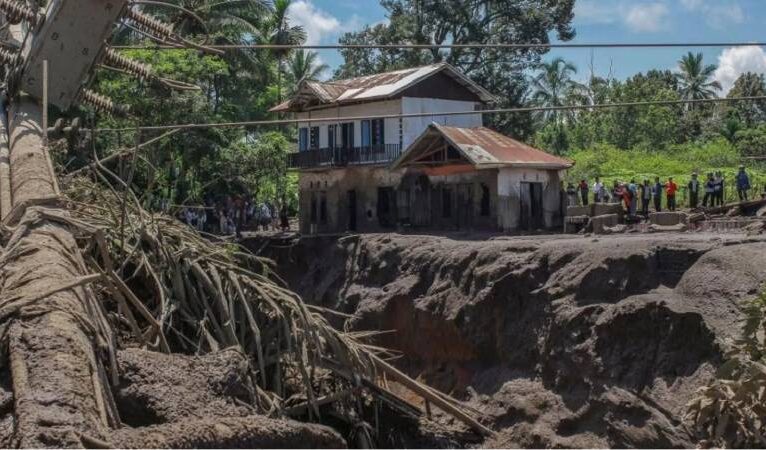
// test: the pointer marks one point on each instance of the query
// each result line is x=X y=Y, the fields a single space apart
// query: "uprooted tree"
x=86 y=272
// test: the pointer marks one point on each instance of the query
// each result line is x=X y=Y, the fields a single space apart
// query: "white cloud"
x=647 y=17
x=595 y=12
x=733 y=62
x=319 y=25
x=717 y=14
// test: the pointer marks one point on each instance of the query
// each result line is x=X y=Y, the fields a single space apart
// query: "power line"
x=450 y=46
x=190 y=126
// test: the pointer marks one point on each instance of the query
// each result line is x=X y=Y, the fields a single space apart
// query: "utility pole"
x=56 y=332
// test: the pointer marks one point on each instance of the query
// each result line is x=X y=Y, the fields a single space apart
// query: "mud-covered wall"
x=509 y=182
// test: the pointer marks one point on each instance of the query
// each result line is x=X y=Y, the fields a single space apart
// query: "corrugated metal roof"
x=375 y=87
x=486 y=148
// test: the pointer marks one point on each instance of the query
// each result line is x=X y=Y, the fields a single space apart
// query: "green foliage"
x=199 y=164
x=678 y=161
x=752 y=141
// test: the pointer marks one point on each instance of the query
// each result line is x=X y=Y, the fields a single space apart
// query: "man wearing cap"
x=743 y=184
x=694 y=191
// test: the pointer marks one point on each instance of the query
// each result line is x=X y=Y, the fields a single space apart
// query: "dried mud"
x=559 y=341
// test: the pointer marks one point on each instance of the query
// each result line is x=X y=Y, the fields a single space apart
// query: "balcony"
x=342 y=157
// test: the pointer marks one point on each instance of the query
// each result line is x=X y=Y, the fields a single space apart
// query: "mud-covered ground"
x=558 y=340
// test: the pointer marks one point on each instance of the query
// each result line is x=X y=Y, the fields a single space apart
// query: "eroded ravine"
x=559 y=341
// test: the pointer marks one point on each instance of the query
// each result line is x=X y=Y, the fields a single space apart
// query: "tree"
x=749 y=85
x=694 y=80
x=304 y=66
x=279 y=31
x=501 y=71
x=553 y=86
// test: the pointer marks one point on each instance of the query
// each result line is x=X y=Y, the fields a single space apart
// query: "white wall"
x=411 y=127
x=361 y=110
x=414 y=126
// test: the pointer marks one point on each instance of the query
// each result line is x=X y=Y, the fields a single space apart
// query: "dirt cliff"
x=559 y=341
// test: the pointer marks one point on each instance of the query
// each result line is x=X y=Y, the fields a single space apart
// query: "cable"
x=190 y=126
x=452 y=46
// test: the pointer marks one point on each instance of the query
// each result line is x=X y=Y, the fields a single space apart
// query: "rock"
x=681 y=227
x=761 y=212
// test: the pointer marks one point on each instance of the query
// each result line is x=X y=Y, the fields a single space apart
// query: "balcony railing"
x=341 y=157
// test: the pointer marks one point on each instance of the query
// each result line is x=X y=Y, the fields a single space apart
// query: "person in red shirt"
x=670 y=193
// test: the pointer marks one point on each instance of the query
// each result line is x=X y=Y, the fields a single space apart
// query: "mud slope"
x=568 y=341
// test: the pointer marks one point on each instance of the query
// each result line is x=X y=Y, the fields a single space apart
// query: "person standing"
x=633 y=197
x=743 y=184
x=284 y=220
x=670 y=192
x=646 y=197
x=709 y=191
x=694 y=191
x=718 y=189
x=571 y=195
x=597 y=187
x=584 y=192
x=657 y=194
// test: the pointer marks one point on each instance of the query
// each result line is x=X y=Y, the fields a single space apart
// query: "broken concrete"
x=668 y=218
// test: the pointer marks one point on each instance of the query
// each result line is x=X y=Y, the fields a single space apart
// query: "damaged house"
x=440 y=171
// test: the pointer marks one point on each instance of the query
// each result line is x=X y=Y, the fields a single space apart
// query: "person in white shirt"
x=598 y=186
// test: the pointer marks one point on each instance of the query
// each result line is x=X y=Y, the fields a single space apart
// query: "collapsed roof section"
x=382 y=86
x=480 y=147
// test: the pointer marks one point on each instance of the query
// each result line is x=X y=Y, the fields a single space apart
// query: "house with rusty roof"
x=385 y=151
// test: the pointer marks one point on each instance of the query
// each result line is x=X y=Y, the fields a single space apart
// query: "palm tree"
x=553 y=86
x=694 y=80
x=304 y=66
x=280 y=32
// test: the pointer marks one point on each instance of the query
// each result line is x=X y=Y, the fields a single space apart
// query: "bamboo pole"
x=439 y=402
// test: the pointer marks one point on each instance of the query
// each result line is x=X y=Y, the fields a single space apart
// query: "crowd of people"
x=235 y=214
x=651 y=194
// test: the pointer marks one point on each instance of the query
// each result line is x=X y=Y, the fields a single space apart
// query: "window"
x=331 y=136
x=366 y=136
x=446 y=203
x=347 y=135
x=373 y=133
x=314 y=138
x=303 y=139
x=377 y=132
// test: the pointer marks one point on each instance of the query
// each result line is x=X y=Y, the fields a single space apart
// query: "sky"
x=598 y=21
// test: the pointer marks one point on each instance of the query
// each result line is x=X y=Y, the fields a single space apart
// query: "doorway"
x=464 y=213
x=531 y=217
x=351 y=210
x=386 y=207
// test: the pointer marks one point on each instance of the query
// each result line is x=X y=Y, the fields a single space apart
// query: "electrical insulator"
x=103 y=104
x=8 y=57
x=150 y=24
x=17 y=11
x=114 y=59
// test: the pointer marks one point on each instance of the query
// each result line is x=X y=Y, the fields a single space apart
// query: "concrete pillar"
x=31 y=171
x=6 y=201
